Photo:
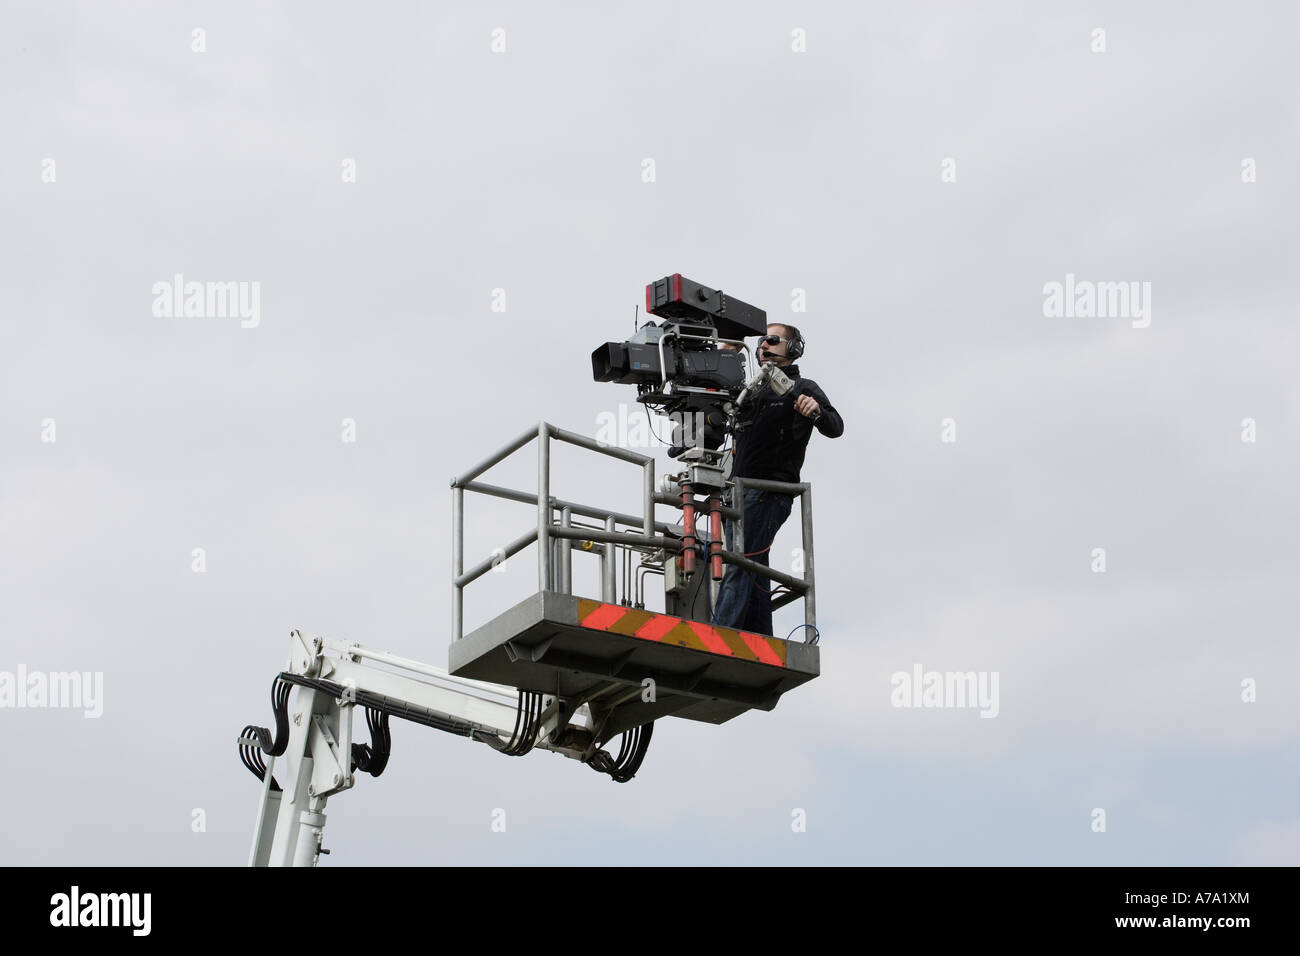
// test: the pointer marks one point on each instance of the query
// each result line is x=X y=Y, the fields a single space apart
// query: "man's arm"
x=830 y=424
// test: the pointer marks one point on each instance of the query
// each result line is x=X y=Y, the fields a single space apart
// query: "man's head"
x=776 y=345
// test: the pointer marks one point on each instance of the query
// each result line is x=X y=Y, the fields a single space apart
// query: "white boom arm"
x=332 y=678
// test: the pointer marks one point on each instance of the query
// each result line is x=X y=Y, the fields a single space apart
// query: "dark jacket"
x=773 y=437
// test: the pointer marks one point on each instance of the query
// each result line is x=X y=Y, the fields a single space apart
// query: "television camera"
x=680 y=367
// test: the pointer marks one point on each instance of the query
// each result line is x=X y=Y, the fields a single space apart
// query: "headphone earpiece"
x=794 y=349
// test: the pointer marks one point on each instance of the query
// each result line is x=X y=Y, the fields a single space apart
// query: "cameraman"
x=772 y=436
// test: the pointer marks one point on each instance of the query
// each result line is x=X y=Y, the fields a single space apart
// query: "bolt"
x=337 y=780
x=297 y=718
x=311 y=790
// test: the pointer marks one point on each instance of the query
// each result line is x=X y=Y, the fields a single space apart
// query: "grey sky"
x=775 y=170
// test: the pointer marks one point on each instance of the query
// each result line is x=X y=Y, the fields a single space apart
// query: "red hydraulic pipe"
x=688 y=526
x=715 y=536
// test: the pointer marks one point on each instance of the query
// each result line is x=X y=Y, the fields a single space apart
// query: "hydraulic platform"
x=658 y=665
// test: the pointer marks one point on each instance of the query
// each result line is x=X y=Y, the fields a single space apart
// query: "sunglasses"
x=772 y=340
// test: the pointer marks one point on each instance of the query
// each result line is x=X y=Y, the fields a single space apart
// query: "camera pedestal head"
x=706 y=469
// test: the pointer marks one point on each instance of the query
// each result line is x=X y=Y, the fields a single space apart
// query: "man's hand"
x=807 y=406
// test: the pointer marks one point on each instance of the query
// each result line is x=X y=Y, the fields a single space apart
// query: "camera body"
x=660 y=355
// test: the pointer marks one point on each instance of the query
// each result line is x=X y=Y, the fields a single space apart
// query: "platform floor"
x=577 y=648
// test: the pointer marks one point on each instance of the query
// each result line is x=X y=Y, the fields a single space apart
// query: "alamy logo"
x=1086 y=299
x=945 y=689
x=103 y=909
x=634 y=428
x=179 y=299
x=70 y=689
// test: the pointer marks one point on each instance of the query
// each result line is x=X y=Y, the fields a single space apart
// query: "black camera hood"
x=680 y=300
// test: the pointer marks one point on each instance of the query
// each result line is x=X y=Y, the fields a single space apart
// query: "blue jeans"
x=745 y=599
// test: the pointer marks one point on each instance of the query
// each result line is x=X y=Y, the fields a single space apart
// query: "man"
x=772 y=436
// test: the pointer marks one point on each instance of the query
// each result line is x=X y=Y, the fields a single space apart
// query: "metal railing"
x=557 y=538
x=804 y=587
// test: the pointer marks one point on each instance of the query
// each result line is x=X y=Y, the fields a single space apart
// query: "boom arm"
x=314 y=733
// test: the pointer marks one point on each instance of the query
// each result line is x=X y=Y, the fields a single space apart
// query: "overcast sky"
x=921 y=171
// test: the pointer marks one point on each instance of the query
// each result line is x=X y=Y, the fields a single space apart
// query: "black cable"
x=519 y=713
x=386 y=705
x=534 y=725
x=530 y=709
x=386 y=742
x=632 y=750
x=650 y=420
x=627 y=771
x=514 y=746
x=624 y=743
x=816 y=633
x=633 y=744
x=280 y=691
x=525 y=718
x=373 y=758
x=252 y=759
x=261 y=736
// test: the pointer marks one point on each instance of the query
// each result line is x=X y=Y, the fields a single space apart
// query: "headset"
x=794 y=348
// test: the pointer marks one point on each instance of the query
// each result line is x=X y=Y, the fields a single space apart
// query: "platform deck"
x=579 y=648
